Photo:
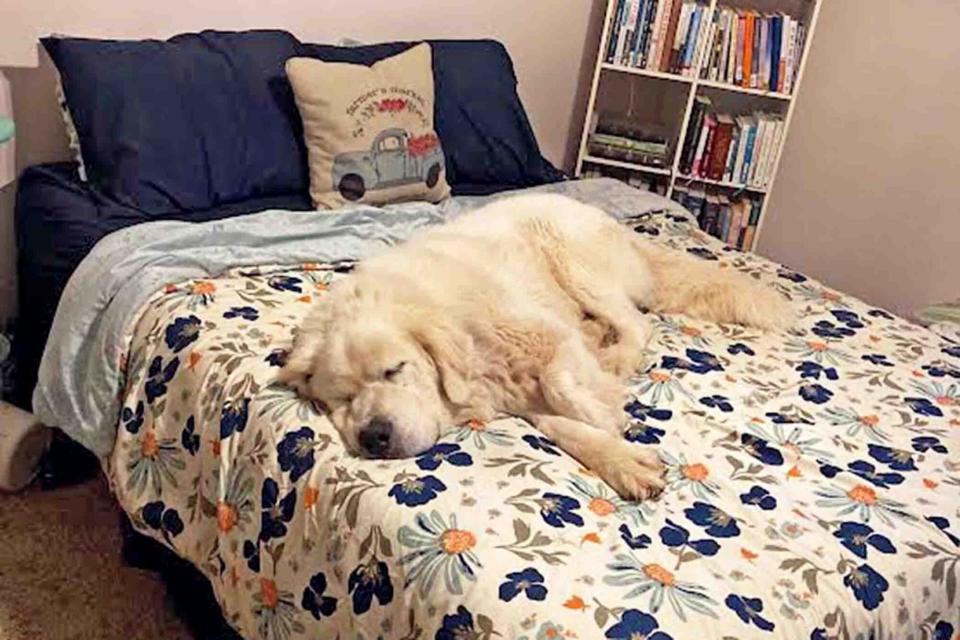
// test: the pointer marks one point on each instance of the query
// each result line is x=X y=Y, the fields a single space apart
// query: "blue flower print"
x=644 y=434
x=815 y=393
x=673 y=535
x=181 y=332
x=432 y=458
x=132 y=419
x=952 y=351
x=761 y=449
x=826 y=329
x=943 y=631
x=715 y=521
x=158 y=517
x=295 y=452
x=636 y=624
x=869 y=473
x=285 y=283
x=878 y=359
x=251 y=553
x=643 y=412
x=233 y=417
x=777 y=417
x=700 y=252
x=879 y=313
x=369 y=581
x=189 y=438
x=739 y=347
x=457 y=625
x=928 y=443
x=924 y=407
x=857 y=536
x=703 y=361
x=896 y=459
x=818 y=634
x=867 y=585
x=277 y=358
x=814 y=370
x=792 y=276
x=849 y=318
x=540 y=443
x=246 y=313
x=528 y=582
x=828 y=470
x=943 y=524
x=639 y=541
x=748 y=610
x=275 y=512
x=158 y=376
x=414 y=492
x=556 y=509
x=940 y=370
x=760 y=497
x=717 y=402
x=315 y=599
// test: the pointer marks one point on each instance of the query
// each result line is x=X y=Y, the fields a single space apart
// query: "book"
x=709 y=121
x=743 y=124
x=724 y=209
x=723 y=225
x=679 y=193
x=763 y=125
x=738 y=64
x=732 y=154
x=722 y=137
x=790 y=33
x=694 y=202
x=711 y=213
x=703 y=40
x=748 y=151
x=692 y=32
x=665 y=56
x=776 y=30
x=733 y=229
x=763 y=73
x=658 y=33
x=700 y=107
x=639 y=51
x=747 y=57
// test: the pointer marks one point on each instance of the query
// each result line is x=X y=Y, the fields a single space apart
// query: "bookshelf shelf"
x=713 y=84
x=648 y=73
x=735 y=186
x=620 y=164
x=672 y=105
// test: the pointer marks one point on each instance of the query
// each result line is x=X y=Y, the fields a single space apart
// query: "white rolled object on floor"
x=23 y=441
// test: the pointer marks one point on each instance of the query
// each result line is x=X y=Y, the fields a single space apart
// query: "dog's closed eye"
x=393 y=372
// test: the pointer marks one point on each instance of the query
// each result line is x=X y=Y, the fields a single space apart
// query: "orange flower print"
x=863 y=494
x=601 y=506
x=590 y=537
x=310 y=497
x=576 y=603
x=456 y=541
x=203 y=288
x=268 y=593
x=226 y=516
x=659 y=574
x=696 y=472
x=148 y=446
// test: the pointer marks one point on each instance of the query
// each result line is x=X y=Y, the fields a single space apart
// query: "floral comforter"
x=814 y=493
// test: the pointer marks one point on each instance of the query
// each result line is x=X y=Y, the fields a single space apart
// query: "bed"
x=816 y=497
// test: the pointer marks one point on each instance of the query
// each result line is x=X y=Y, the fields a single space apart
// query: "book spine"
x=701 y=145
x=659 y=32
x=738 y=63
x=668 y=41
x=648 y=34
x=747 y=49
x=692 y=33
x=776 y=26
x=724 y=223
x=707 y=26
x=626 y=30
x=748 y=153
x=716 y=47
x=622 y=32
x=723 y=136
x=763 y=76
x=693 y=130
x=755 y=59
x=700 y=168
x=636 y=33
x=757 y=154
x=798 y=54
x=785 y=52
x=732 y=155
x=736 y=213
x=681 y=36
x=636 y=54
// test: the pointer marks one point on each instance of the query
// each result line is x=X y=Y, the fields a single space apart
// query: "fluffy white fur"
x=528 y=307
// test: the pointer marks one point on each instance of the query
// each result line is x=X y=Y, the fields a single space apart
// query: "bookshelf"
x=647 y=91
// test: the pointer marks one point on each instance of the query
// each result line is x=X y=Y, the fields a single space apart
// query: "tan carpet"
x=61 y=576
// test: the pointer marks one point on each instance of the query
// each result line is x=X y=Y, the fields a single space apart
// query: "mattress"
x=812 y=491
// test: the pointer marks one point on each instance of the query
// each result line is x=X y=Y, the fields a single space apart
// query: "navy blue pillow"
x=188 y=123
x=487 y=139
x=205 y=119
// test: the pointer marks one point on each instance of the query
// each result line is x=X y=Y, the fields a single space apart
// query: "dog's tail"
x=710 y=291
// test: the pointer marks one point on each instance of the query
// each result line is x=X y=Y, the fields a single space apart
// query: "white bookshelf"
x=675 y=96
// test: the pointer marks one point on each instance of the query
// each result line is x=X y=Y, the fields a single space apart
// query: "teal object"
x=6 y=129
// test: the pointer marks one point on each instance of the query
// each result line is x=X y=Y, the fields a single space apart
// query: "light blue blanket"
x=79 y=378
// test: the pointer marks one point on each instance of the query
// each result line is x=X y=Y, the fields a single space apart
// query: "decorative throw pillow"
x=369 y=130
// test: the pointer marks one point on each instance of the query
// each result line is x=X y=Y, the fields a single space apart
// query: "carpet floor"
x=61 y=575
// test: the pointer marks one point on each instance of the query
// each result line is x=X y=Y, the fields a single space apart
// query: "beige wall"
x=868 y=195
x=552 y=43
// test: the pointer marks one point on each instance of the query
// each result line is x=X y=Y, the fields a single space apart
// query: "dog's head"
x=388 y=375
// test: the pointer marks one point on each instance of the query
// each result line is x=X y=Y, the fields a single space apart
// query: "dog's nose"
x=375 y=436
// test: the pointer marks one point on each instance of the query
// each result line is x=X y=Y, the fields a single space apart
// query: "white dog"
x=527 y=307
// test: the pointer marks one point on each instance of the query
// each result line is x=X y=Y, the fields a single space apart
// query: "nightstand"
x=23 y=441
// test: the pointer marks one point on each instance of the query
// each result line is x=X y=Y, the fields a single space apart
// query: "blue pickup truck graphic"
x=391 y=161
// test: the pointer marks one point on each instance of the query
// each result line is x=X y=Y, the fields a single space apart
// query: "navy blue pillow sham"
x=186 y=123
x=209 y=118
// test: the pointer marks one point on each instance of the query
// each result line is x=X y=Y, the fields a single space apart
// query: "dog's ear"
x=453 y=354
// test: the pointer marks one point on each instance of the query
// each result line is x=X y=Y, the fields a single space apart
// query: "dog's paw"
x=634 y=472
